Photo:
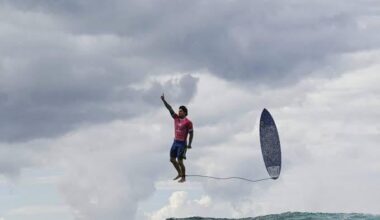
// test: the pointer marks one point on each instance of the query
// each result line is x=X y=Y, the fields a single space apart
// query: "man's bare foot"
x=177 y=177
x=183 y=179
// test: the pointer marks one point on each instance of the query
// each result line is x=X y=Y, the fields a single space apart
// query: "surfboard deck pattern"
x=270 y=144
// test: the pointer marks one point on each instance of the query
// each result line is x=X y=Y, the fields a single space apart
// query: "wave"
x=298 y=216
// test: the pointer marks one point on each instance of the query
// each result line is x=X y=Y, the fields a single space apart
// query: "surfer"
x=182 y=127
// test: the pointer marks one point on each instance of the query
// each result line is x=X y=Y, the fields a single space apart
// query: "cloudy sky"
x=84 y=135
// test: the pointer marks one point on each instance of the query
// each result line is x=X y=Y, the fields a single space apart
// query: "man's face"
x=181 y=113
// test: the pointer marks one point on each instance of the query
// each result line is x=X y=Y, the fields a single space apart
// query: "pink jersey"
x=181 y=128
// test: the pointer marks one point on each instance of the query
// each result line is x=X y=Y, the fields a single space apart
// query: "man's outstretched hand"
x=162 y=97
x=188 y=146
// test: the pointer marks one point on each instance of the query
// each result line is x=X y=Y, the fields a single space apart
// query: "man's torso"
x=182 y=126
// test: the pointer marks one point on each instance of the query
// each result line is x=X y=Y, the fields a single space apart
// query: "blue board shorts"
x=178 y=149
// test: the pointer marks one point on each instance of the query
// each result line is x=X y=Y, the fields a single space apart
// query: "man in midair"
x=182 y=127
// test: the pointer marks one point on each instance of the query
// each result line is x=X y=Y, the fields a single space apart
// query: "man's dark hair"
x=184 y=109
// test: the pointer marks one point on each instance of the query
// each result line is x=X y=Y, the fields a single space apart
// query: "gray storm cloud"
x=70 y=62
x=53 y=81
x=233 y=39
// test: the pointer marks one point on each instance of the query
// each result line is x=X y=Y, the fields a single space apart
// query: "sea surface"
x=298 y=216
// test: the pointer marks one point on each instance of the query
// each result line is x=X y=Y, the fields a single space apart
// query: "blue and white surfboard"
x=270 y=144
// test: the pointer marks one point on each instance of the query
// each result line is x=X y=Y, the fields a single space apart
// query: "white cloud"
x=328 y=145
x=180 y=205
x=38 y=210
x=107 y=176
x=329 y=133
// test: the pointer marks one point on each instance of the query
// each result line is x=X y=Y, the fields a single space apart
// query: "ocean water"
x=298 y=216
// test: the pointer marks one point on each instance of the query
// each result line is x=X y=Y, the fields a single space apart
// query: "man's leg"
x=183 y=169
x=177 y=167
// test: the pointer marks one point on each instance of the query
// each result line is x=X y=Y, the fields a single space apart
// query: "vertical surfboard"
x=270 y=144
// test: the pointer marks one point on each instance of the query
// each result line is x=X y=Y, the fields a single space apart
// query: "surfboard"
x=270 y=144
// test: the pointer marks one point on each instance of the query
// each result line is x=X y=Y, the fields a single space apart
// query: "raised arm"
x=172 y=113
